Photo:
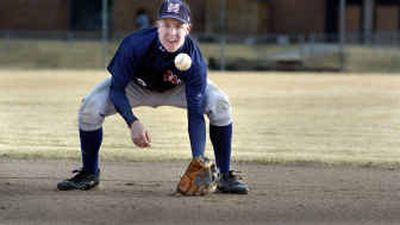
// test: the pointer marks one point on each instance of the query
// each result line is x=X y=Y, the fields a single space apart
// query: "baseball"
x=183 y=62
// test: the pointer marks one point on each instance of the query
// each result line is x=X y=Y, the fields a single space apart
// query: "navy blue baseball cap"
x=175 y=9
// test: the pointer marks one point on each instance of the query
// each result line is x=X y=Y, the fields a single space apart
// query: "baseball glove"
x=199 y=178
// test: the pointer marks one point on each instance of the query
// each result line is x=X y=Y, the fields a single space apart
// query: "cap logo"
x=173 y=8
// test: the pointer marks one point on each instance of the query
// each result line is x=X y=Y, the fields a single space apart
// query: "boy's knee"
x=90 y=115
x=219 y=111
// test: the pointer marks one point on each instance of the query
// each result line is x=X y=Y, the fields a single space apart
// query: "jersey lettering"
x=170 y=77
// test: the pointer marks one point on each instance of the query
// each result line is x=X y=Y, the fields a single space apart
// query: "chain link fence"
x=312 y=52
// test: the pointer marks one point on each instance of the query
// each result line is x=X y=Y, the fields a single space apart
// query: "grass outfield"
x=279 y=118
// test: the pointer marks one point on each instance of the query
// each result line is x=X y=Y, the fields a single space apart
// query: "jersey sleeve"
x=196 y=101
x=121 y=68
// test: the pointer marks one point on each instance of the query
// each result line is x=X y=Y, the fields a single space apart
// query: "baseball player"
x=144 y=73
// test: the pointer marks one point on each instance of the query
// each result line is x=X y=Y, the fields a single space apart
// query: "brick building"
x=34 y=15
x=241 y=17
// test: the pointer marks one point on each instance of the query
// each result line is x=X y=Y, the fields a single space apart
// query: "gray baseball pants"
x=97 y=104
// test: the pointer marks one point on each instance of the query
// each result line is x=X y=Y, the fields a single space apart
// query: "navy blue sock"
x=221 y=139
x=90 y=147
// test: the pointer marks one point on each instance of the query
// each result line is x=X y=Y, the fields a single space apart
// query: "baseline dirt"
x=141 y=193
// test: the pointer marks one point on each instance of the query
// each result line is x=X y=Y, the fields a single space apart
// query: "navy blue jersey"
x=142 y=59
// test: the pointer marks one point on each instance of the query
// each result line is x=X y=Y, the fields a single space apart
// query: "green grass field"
x=279 y=118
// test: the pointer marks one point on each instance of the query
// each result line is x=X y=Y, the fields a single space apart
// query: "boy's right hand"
x=139 y=135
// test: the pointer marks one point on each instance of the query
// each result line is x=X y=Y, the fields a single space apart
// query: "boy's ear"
x=157 y=23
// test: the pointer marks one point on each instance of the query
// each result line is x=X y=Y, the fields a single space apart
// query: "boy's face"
x=172 y=33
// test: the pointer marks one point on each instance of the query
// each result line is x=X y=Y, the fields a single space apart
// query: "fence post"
x=104 y=32
x=342 y=34
x=222 y=35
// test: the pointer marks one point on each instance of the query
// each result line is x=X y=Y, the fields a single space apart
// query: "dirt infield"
x=141 y=193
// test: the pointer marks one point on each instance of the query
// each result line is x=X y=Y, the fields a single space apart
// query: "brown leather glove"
x=199 y=178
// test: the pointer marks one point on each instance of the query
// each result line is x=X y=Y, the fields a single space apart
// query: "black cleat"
x=82 y=180
x=231 y=183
